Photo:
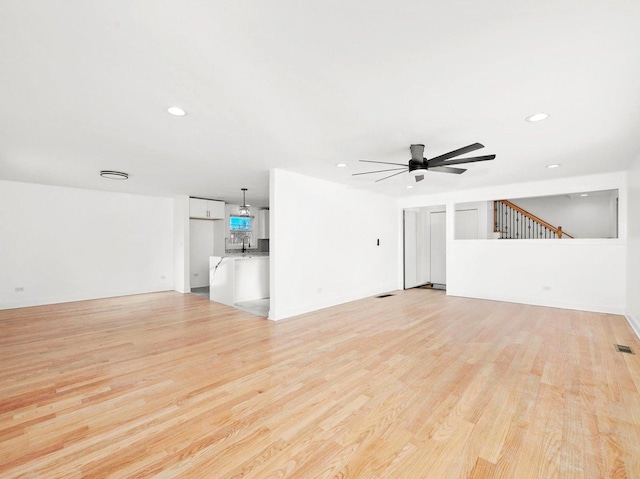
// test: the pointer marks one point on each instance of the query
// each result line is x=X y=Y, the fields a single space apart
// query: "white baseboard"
x=539 y=301
x=43 y=301
x=634 y=323
x=276 y=314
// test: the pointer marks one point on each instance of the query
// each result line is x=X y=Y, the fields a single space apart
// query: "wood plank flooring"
x=416 y=385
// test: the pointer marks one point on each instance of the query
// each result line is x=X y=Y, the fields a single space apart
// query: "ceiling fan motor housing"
x=417 y=165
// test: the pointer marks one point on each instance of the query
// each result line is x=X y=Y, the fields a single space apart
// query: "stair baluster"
x=512 y=222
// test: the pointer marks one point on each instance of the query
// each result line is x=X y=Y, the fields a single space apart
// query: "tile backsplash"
x=263 y=245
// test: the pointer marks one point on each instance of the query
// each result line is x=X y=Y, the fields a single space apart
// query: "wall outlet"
x=19 y=289
x=163 y=277
x=196 y=274
x=546 y=288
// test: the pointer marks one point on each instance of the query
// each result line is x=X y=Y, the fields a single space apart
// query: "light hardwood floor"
x=416 y=385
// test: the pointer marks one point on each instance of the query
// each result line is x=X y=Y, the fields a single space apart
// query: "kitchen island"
x=238 y=278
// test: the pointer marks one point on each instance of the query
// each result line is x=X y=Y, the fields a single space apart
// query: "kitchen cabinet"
x=263 y=224
x=206 y=209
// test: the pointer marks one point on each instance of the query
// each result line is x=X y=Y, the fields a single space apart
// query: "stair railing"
x=513 y=222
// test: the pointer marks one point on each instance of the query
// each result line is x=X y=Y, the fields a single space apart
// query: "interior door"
x=438 y=247
x=466 y=224
x=410 y=249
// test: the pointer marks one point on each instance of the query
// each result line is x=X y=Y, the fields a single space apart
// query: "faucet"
x=245 y=238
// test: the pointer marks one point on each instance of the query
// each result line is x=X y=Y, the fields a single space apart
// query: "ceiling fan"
x=418 y=164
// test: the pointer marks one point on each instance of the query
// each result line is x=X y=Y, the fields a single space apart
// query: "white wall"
x=586 y=274
x=181 y=245
x=564 y=274
x=206 y=239
x=66 y=244
x=201 y=233
x=633 y=247
x=325 y=252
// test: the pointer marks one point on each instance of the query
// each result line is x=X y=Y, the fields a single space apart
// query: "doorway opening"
x=425 y=242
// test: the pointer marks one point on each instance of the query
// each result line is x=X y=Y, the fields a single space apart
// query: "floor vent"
x=624 y=349
x=384 y=296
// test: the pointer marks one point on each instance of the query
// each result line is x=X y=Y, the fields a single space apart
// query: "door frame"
x=420 y=210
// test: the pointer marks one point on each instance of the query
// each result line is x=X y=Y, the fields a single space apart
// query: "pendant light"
x=244 y=209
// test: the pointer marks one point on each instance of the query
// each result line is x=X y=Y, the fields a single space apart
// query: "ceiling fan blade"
x=459 y=161
x=458 y=152
x=419 y=178
x=445 y=169
x=383 y=162
x=417 y=153
x=379 y=171
x=395 y=174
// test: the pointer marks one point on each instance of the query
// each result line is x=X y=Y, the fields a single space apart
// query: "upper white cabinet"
x=263 y=224
x=206 y=209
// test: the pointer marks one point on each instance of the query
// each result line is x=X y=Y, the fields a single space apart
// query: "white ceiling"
x=85 y=85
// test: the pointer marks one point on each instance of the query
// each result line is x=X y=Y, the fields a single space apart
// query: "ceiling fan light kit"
x=418 y=164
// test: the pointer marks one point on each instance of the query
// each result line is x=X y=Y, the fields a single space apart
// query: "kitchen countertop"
x=247 y=255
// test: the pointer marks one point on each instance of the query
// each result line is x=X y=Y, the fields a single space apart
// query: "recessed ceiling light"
x=409 y=186
x=341 y=165
x=175 y=111
x=537 y=117
x=114 y=175
x=584 y=194
x=555 y=165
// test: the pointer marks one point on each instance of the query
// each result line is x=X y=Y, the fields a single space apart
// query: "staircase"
x=512 y=222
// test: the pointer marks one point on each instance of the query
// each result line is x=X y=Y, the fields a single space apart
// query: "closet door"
x=466 y=224
x=410 y=249
x=438 y=247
